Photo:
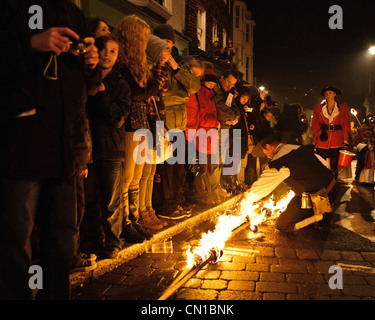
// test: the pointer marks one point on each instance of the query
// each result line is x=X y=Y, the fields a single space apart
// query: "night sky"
x=296 y=53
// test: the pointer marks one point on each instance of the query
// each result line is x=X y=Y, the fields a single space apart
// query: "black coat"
x=51 y=143
x=241 y=125
x=307 y=173
x=107 y=112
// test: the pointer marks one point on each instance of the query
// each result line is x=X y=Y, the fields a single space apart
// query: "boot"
x=146 y=222
x=156 y=219
x=129 y=232
x=134 y=205
x=132 y=235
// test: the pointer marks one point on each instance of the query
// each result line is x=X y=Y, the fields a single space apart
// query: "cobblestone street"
x=262 y=266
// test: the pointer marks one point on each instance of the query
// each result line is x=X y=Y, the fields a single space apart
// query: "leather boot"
x=154 y=218
x=146 y=222
x=134 y=205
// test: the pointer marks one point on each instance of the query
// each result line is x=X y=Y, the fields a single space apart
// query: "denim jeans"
x=51 y=205
x=110 y=174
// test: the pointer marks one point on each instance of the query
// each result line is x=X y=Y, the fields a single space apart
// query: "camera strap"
x=52 y=59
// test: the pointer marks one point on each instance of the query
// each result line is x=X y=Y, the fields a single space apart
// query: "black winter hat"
x=165 y=31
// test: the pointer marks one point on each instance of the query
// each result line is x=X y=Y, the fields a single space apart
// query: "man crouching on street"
x=306 y=174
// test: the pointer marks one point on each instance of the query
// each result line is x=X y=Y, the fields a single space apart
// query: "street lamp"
x=372 y=50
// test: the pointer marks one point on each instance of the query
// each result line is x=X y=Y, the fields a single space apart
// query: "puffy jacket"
x=201 y=114
x=181 y=84
x=224 y=112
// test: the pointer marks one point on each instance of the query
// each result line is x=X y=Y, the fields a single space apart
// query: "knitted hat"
x=165 y=31
x=210 y=76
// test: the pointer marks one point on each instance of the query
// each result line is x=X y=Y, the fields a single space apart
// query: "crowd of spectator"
x=72 y=177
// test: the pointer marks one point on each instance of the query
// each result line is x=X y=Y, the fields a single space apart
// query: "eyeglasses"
x=230 y=83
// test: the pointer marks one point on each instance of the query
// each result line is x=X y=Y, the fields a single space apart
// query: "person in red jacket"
x=331 y=126
x=201 y=129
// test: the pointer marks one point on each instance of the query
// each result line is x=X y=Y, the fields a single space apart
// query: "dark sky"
x=296 y=53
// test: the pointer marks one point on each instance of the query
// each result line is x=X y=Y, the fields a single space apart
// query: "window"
x=237 y=17
x=201 y=29
x=247 y=33
x=215 y=31
x=224 y=38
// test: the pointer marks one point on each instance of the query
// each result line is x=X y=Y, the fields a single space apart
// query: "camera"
x=78 y=45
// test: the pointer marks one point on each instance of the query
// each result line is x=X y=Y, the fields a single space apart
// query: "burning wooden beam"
x=214 y=257
x=212 y=243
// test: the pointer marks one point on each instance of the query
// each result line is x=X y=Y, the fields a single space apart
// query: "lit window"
x=215 y=31
x=201 y=29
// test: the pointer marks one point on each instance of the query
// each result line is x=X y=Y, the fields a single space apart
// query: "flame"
x=213 y=242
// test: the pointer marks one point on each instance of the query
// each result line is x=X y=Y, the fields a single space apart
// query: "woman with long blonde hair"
x=132 y=34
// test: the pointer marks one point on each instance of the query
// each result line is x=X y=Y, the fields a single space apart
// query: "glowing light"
x=213 y=242
x=353 y=112
x=372 y=50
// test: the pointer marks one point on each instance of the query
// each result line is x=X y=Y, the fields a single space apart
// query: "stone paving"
x=265 y=267
x=243 y=273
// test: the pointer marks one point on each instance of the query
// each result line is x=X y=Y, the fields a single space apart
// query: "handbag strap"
x=157 y=111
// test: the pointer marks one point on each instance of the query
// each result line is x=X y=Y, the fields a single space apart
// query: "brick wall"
x=214 y=9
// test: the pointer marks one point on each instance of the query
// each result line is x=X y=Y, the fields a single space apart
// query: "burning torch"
x=214 y=256
x=354 y=113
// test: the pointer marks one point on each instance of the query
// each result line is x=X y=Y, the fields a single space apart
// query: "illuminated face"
x=209 y=84
x=197 y=71
x=268 y=116
x=330 y=95
x=108 y=56
x=169 y=43
x=269 y=151
x=102 y=30
x=228 y=82
x=244 y=99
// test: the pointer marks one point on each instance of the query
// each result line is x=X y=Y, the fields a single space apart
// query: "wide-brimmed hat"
x=331 y=88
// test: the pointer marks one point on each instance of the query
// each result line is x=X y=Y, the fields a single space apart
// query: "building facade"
x=197 y=24
x=243 y=40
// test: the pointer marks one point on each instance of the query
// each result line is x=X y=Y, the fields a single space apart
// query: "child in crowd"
x=108 y=107
x=202 y=125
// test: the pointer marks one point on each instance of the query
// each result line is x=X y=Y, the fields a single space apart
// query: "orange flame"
x=215 y=240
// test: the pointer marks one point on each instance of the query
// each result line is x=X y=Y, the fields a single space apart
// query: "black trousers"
x=173 y=177
x=51 y=205
x=294 y=214
x=333 y=154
